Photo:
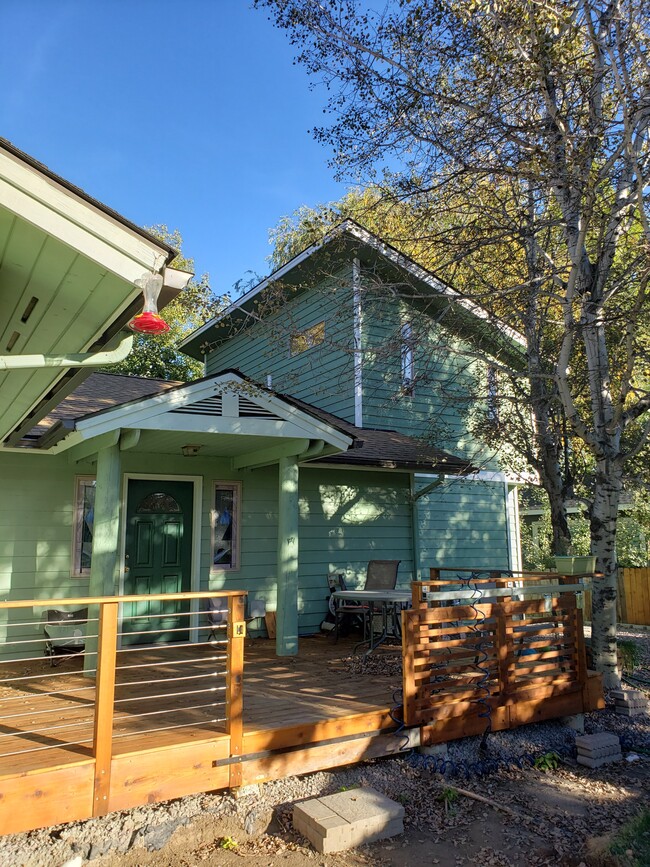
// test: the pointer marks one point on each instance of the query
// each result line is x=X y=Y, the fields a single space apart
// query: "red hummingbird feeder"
x=149 y=321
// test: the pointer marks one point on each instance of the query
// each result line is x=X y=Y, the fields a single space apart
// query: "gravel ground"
x=556 y=812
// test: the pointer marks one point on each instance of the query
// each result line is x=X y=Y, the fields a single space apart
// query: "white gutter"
x=75 y=359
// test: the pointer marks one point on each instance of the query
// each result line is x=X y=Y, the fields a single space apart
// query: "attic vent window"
x=301 y=341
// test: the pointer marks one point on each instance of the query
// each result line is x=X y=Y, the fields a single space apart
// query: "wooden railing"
x=76 y=719
x=489 y=661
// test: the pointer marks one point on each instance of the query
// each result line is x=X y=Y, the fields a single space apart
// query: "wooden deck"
x=164 y=721
x=300 y=713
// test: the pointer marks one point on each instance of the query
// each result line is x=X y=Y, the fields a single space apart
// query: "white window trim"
x=77 y=517
x=236 y=487
x=492 y=378
x=407 y=358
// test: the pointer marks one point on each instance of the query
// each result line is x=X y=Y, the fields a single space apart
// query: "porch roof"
x=68 y=267
x=103 y=394
x=224 y=415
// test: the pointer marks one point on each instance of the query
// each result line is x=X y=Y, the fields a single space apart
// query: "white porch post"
x=106 y=527
x=287 y=607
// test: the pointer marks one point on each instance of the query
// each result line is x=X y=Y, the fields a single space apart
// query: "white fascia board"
x=39 y=200
x=425 y=276
x=353 y=229
x=260 y=287
x=174 y=278
x=147 y=414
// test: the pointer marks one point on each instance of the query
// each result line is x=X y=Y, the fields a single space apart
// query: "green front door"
x=158 y=560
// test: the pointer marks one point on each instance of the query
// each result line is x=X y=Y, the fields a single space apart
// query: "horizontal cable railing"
x=97 y=677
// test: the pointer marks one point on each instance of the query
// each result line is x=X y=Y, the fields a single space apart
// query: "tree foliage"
x=158 y=356
x=527 y=121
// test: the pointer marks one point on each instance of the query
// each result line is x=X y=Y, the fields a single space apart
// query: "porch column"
x=106 y=528
x=287 y=606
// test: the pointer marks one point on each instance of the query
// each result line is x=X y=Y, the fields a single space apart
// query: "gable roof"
x=350 y=239
x=130 y=400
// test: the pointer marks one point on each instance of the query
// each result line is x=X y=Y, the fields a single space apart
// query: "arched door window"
x=158 y=503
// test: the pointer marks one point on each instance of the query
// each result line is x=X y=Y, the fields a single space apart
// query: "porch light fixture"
x=190 y=451
x=149 y=321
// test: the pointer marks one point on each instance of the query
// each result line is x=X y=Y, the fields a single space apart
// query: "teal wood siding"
x=463 y=523
x=36 y=518
x=322 y=375
x=346 y=520
x=449 y=383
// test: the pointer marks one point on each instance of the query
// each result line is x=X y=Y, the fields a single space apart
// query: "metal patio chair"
x=380 y=575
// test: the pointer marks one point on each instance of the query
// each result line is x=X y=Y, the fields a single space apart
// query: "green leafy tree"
x=158 y=356
x=549 y=103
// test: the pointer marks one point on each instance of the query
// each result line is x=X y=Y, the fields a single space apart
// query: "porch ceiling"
x=67 y=272
x=52 y=301
x=213 y=445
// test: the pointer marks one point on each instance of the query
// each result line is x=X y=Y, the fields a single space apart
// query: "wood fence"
x=633 y=597
x=491 y=665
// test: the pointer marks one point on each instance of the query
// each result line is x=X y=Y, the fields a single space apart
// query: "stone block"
x=346 y=819
x=590 y=762
x=598 y=741
x=631 y=711
x=576 y=722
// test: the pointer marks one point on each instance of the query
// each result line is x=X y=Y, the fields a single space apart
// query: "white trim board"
x=148 y=414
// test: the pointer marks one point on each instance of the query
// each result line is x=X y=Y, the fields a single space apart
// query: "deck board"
x=42 y=724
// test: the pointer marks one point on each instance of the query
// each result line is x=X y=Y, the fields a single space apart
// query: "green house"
x=334 y=424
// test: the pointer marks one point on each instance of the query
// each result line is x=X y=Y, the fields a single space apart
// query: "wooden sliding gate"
x=119 y=723
x=479 y=667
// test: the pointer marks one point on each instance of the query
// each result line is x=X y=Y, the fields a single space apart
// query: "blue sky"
x=188 y=113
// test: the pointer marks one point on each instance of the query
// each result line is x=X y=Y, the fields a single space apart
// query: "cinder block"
x=599 y=754
x=631 y=711
x=347 y=819
x=597 y=763
x=598 y=741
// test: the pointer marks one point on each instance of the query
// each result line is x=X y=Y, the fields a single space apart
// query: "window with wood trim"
x=225 y=519
x=301 y=341
x=82 y=532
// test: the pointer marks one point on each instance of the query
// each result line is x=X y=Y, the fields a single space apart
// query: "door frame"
x=195 y=569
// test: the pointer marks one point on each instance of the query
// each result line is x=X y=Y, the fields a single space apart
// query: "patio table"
x=384 y=600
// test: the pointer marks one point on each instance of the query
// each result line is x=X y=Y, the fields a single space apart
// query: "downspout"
x=84 y=359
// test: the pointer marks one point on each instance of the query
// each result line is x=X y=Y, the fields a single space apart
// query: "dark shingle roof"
x=387 y=449
x=371 y=447
x=100 y=391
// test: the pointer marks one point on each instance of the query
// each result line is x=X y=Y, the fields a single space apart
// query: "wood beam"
x=287 y=570
x=271 y=455
x=129 y=439
x=93 y=446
